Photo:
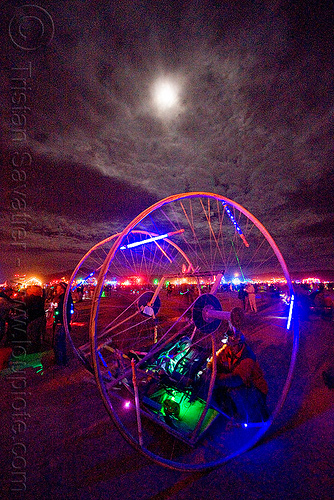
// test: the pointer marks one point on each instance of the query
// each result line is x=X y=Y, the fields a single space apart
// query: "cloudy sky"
x=131 y=101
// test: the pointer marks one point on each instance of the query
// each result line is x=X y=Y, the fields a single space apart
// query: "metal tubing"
x=135 y=387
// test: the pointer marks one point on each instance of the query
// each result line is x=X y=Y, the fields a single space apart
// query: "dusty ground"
x=65 y=446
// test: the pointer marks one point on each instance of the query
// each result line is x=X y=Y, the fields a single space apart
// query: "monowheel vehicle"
x=150 y=350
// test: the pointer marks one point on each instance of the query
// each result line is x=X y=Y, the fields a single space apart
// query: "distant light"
x=127 y=404
x=112 y=282
x=309 y=281
x=33 y=281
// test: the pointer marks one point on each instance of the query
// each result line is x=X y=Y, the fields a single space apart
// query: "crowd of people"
x=316 y=299
x=23 y=319
x=26 y=313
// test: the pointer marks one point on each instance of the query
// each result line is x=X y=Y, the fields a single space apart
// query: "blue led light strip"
x=237 y=227
x=149 y=240
x=290 y=312
x=138 y=243
x=85 y=279
x=104 y=363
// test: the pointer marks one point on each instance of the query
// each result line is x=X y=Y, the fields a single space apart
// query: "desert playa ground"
x=58 y=441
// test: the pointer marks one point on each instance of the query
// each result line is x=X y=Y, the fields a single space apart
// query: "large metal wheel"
x=133 y=291
x=150 y=351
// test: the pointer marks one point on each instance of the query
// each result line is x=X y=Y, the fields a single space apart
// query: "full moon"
x=165 y=95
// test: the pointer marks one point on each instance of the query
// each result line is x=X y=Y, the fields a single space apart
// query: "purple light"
x=127 y=404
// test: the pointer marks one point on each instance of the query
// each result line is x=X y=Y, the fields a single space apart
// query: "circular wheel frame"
x=93 y=260
x=203 y=223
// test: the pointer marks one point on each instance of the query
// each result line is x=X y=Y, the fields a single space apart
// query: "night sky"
x=249 y=116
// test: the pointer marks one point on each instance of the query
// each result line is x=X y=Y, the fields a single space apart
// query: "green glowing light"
x=187 y=413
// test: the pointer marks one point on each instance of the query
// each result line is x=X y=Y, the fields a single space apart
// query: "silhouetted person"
x=58 y=326
x=36 y=320
x=249 y=288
